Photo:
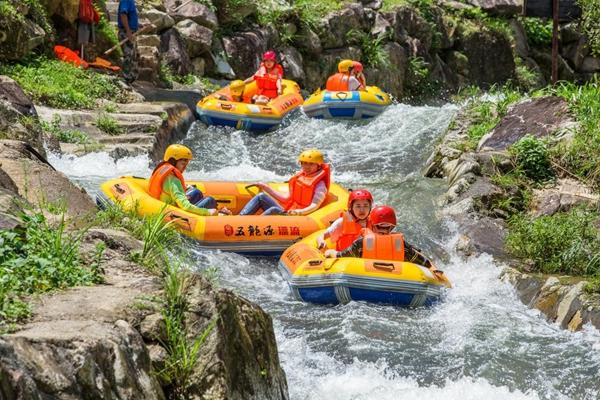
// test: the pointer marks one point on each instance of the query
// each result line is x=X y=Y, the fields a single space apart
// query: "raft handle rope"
x=387 y=266
x=339 y=95
x=313 y=263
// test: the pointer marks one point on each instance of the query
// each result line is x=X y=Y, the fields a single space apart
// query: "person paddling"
x=268 y=79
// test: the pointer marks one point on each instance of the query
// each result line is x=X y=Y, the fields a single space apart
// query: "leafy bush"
x=589 y=23
x=562 y=243
x=58 y=84
x=108 y=124
x=374 y=55
x=533 y=158
x=64 y=135
x=538 y=30
x=39 y=258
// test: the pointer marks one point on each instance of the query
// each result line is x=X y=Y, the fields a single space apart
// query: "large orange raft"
x=248 y=234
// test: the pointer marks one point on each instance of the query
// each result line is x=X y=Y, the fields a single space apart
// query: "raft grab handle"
x=386 y=266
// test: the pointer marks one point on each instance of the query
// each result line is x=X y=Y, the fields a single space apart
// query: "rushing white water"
x=480 y=342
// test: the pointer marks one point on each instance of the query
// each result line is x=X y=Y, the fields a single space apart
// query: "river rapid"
x=480 y=342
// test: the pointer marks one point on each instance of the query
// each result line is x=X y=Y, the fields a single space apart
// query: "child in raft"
x=307 y=189
x=380 y=243
x=268 y=79
x=348 y=227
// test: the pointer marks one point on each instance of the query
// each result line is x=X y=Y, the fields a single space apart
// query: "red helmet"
x=382 y=215
x=359 y=194
x=269 y=55
x=358 y=67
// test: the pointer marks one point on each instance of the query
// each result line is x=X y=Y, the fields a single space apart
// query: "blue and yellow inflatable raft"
x=325 y=104
x=316 y=279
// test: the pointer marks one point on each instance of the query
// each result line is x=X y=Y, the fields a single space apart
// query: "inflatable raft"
x=248 y=116
x=351 y=105
x=316 y=279
x=248 y=234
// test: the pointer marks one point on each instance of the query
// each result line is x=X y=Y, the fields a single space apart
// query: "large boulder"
x=292 y=64
x=307 y=41
x=11 y=92
x=244 y=50
x=68 y=10
x=335 y=28
x=197 y=38
x=174 y=53
x=564 y=195
x=539 y=117
x=499 y=7
x=407 y=22
x=233 y=11
x=390 y=78
x=484 y=70
x=39 y=182
x=162 y=21
x=239 y=360
x=199 y=13
x=18 y=37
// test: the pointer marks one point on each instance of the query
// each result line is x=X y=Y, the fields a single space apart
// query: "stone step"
x=128 y=138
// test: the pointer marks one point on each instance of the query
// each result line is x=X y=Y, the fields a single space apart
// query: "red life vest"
x=161 y=172
x=67 y=55
x=338 y=82
x=383 y=247
x=87 y=12
x=302 y=187
x=351 y=230
x=267 y=83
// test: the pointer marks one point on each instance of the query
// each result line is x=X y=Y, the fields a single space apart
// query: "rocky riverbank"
x=489 y=190
x=113 y=339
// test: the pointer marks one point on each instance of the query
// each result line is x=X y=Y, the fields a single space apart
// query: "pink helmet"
x=269 y=56
x=358 y=67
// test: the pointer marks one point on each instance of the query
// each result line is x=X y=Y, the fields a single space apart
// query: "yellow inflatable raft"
x=249 y=234
x=316 y=279
x=248 y=116
x=350 y=105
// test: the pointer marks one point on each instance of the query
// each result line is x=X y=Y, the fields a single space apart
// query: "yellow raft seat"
x=325 y=104
x=247 y=234
x=248 y=116
x=316 y=279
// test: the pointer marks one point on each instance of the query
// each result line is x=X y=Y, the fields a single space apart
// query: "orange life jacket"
x=267 y=83
x=161 y=172
x=351 y=230
x=67 y=55
x=87 y=12
x=338 y=82
x=302 y=187
x=383 y=247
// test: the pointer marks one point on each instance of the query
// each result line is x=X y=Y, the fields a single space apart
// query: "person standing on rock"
x=128 y=24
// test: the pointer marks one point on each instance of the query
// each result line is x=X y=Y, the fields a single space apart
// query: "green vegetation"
x=12 y=9
x=64 y=135
x=373 y=53
x=562 y=243
x=589 y=23
x=58 y=84
x=108 y=32
x=533 y=158
x=309 y=12
x=40 y=257
x=108 y=124
x=538 y=30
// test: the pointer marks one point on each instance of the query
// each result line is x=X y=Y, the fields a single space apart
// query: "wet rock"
x=499 y=7
x=199 y=13
x=174 y=53
x=160 y=20
x=239 y=358
x=485 y=70
x=114 y=239
x=576 y=322
x=456 y=169
x=11 y=92
x=392 y=78
x=293 y=64
x=539 y=117
x=487 y=235
x=548 y=297
x=197 y=38
x=569 y=304
x=526 y=285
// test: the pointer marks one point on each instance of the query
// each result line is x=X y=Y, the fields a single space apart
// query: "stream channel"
x=480 y=342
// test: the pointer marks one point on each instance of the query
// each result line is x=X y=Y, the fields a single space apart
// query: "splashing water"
x=480 y=342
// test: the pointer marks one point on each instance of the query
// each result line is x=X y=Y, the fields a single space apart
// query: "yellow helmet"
x=345 y=65
x=178 y=152
x=311 y=156
x=237 y=86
